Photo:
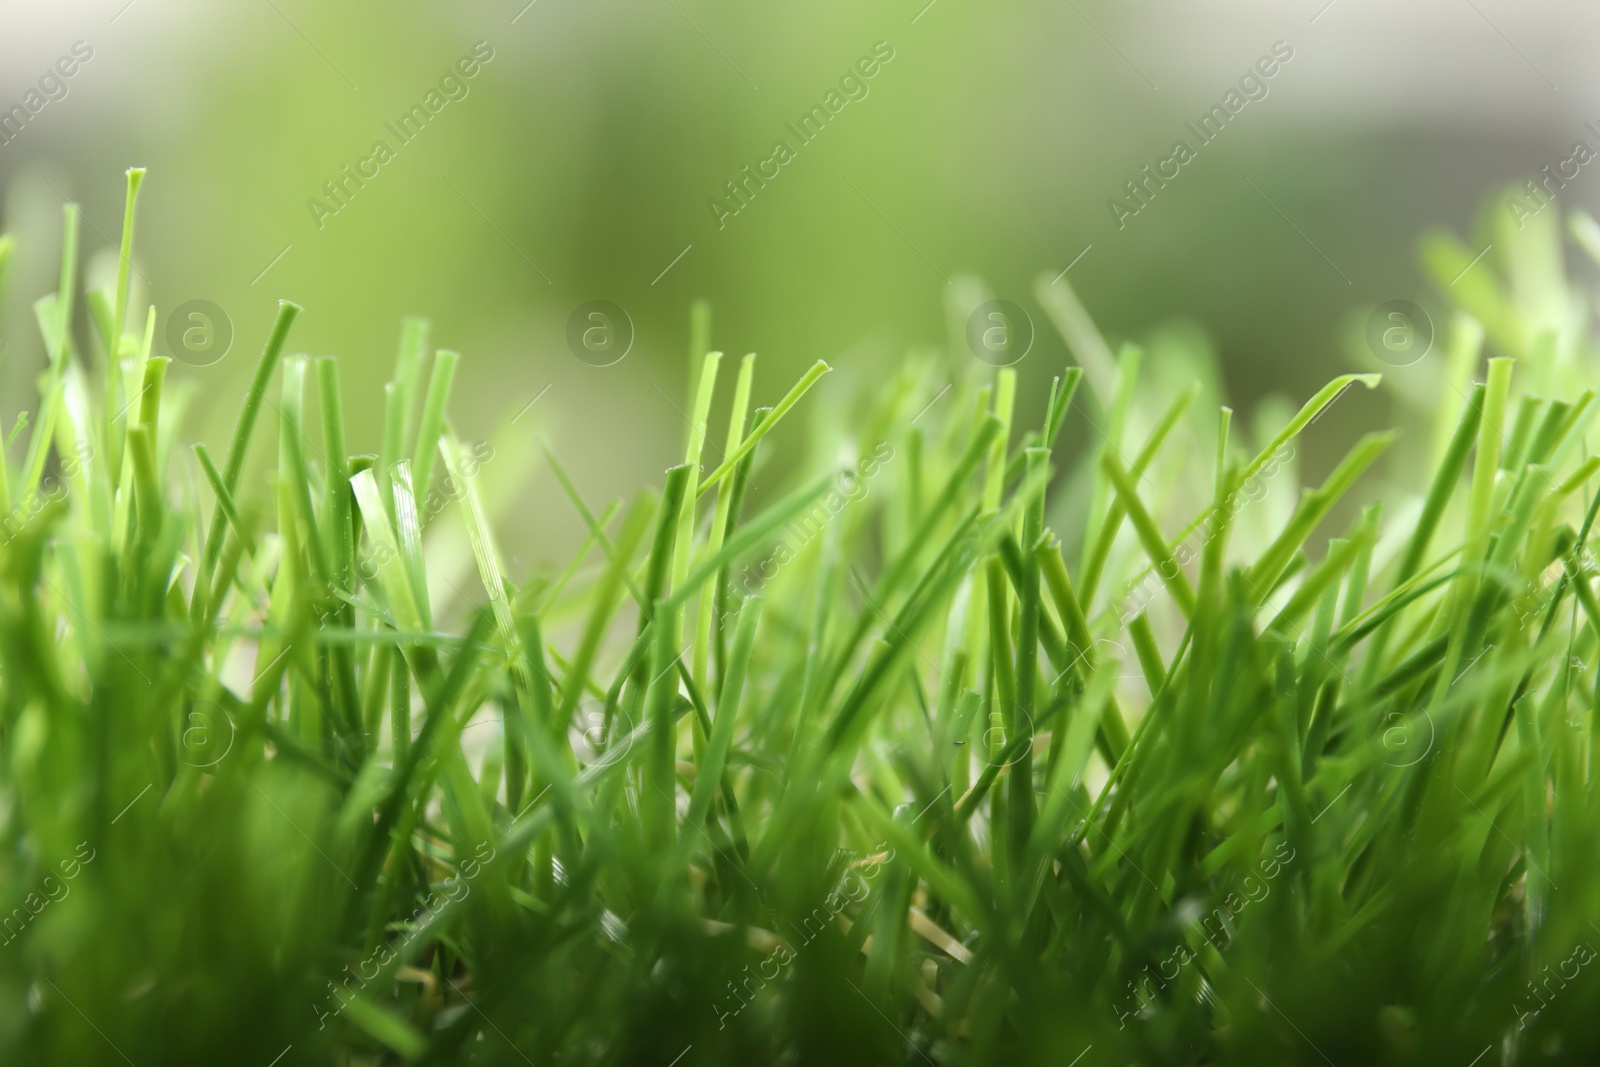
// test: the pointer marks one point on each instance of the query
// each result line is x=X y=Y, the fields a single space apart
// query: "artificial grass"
x=967 y=748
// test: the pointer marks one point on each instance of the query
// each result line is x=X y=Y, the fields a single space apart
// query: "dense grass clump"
x=969 y=747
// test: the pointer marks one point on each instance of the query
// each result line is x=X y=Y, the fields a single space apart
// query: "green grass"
x=1059 y=730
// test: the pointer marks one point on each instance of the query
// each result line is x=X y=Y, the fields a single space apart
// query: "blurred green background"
x=580 y=161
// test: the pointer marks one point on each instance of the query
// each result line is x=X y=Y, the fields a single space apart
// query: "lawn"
x=1094 y=739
